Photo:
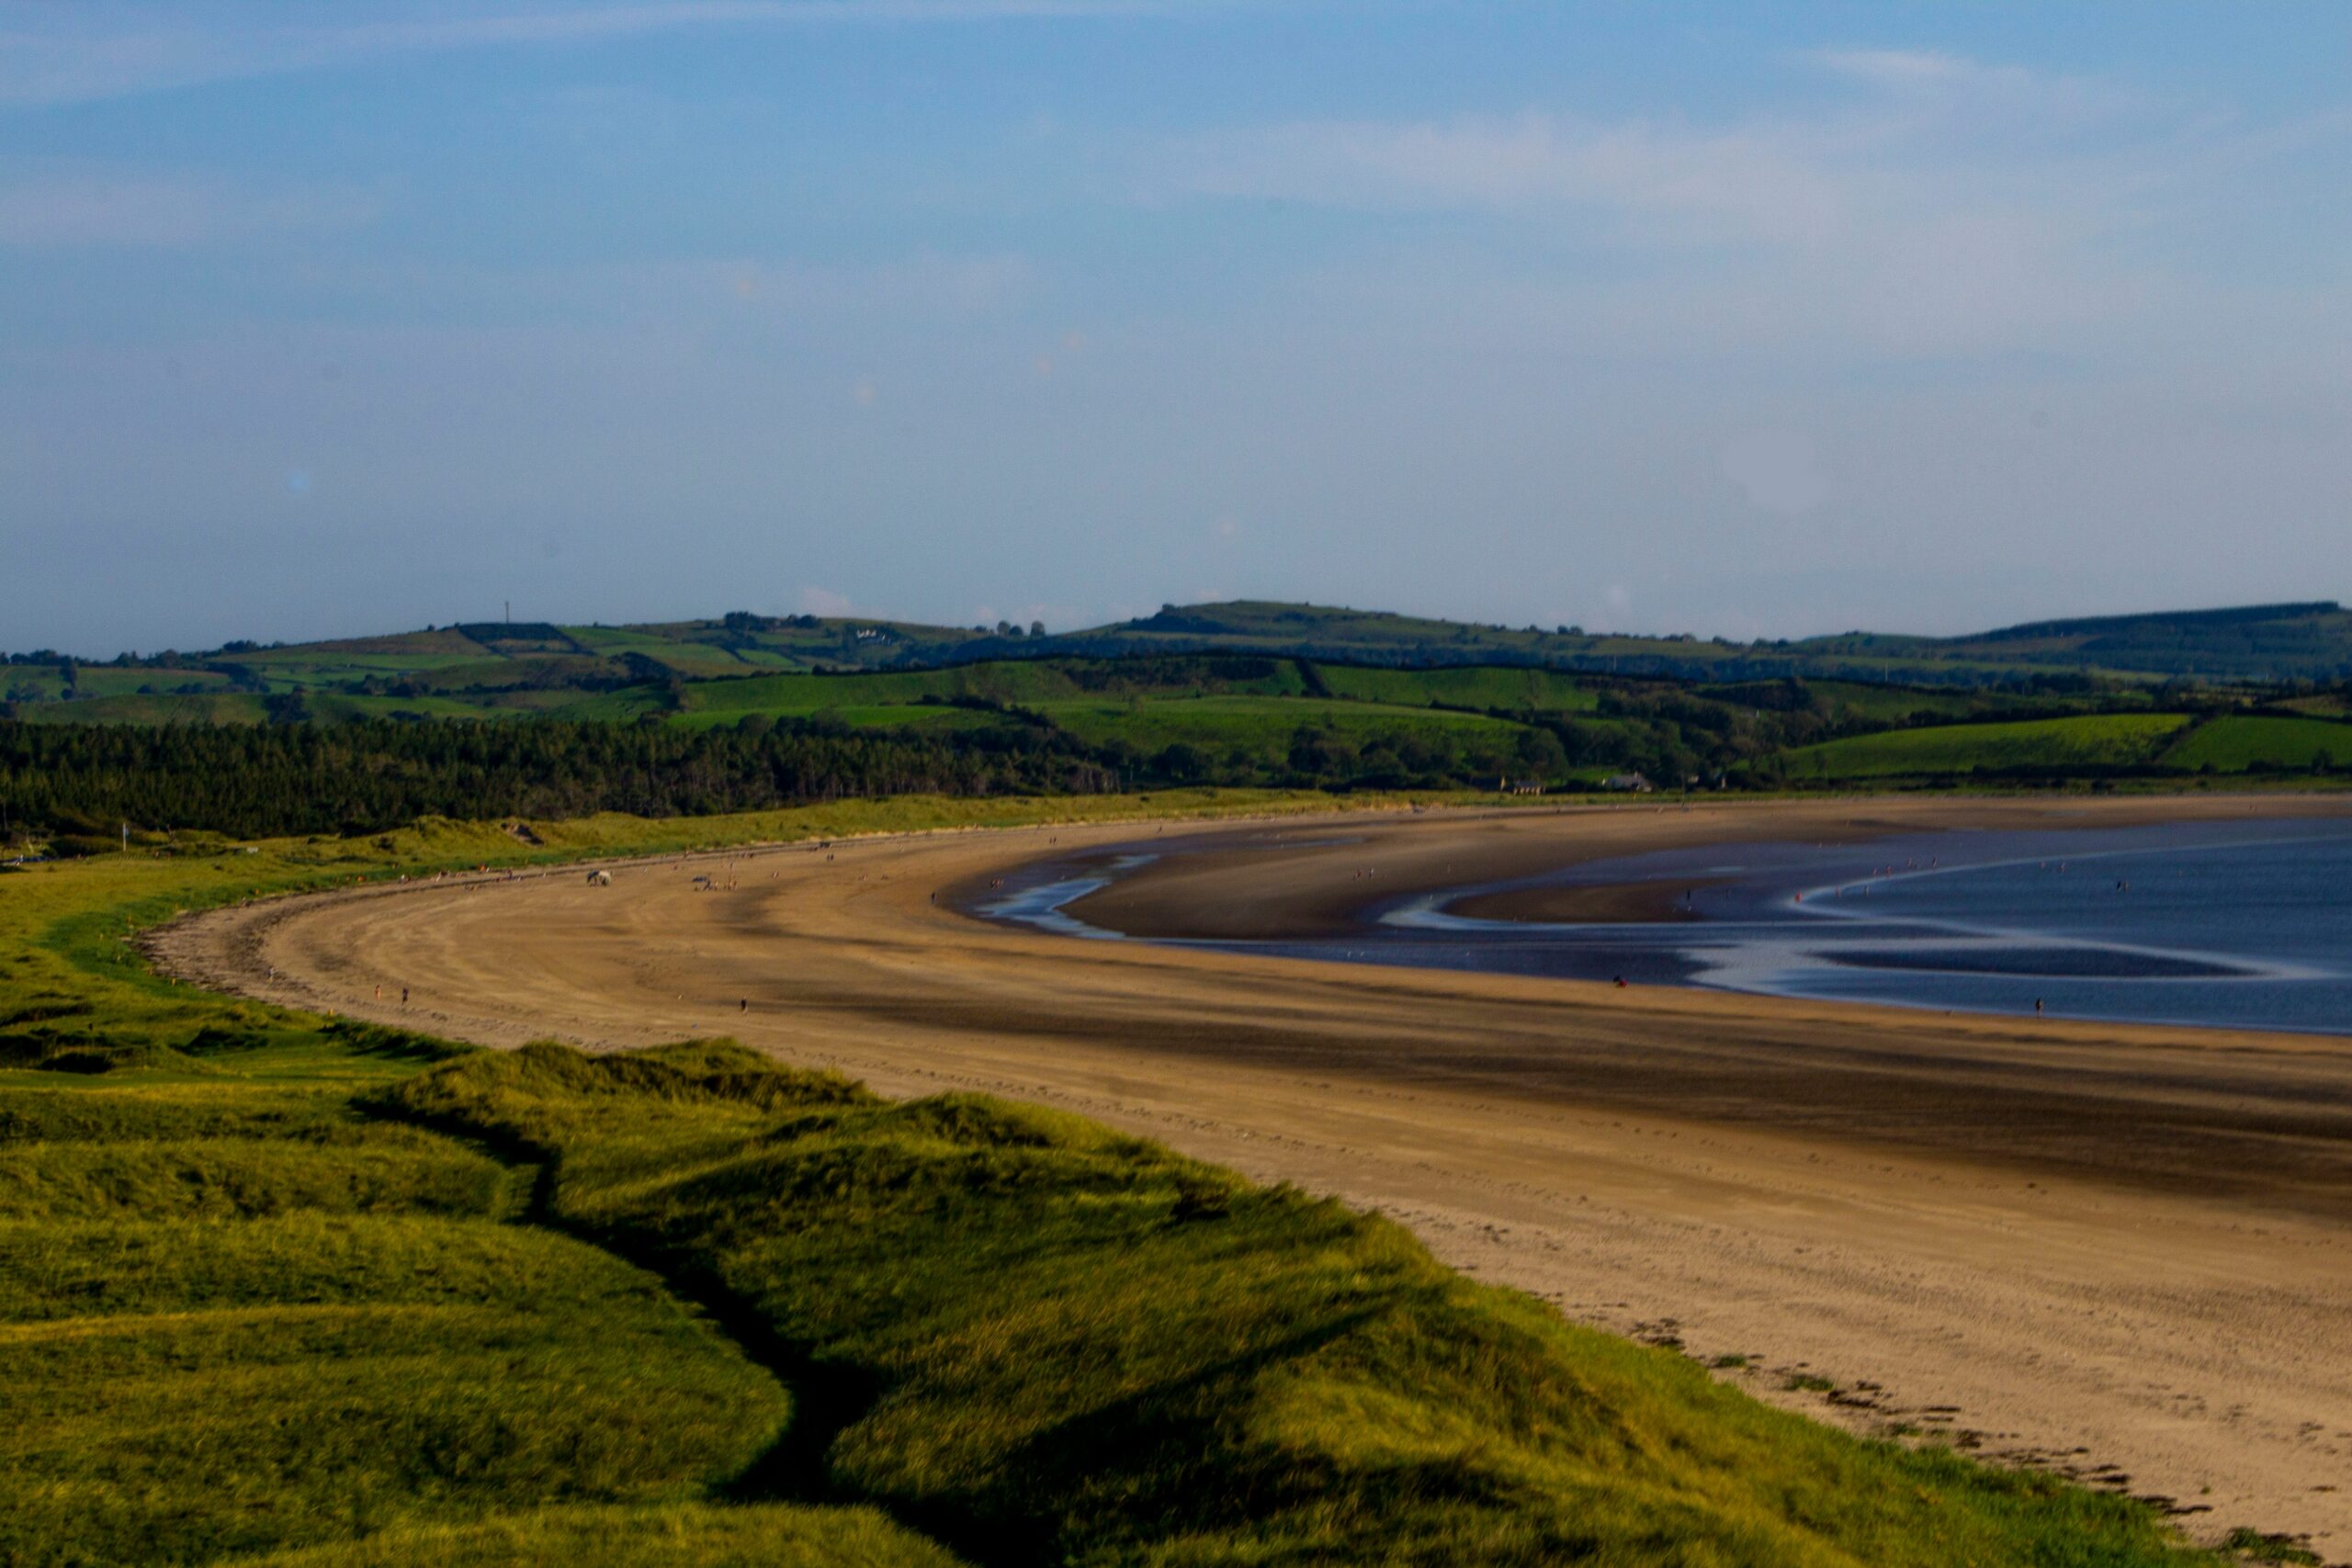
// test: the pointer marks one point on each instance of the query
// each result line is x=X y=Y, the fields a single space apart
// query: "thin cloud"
x=1935 y=83
x=1744 y=182
x=1954 y=207
x=1913 y=68
x=72 y=65
x=109 y=208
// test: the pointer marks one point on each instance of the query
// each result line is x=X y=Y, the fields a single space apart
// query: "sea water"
x=2245 y=923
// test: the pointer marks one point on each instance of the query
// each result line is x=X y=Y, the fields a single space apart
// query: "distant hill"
x=596 y=672
x=748 y=712
x=2263 y=643
x=2308 y=640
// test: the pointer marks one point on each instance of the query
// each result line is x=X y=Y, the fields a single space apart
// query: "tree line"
x=78 y=783
x=295 y=776
x=249 y=781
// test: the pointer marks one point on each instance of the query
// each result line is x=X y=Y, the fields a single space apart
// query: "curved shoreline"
x=1279 y=884
x=2052 y=1237
x=1779 y=905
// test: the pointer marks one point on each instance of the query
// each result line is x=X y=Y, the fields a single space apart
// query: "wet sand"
x=1284 y=883
x=2124 y=1251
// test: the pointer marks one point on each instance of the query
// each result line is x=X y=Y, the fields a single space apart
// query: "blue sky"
x=1758 y=321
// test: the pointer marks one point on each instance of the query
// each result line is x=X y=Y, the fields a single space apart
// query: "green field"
x=1254 y=715
x=215 y=707
x=1901 y=704
x=1244 y=695
x=1264 y=727
x=275 y=1288
x=905 y=716
x=1474 y=686
x=2095 y=740
x=2112 y=660
x=1017 y=681
x=2234 y=743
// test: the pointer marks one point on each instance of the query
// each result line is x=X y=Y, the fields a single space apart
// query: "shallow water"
x=2244 y=924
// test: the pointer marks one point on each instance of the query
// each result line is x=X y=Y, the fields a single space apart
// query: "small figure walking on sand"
x=746 y=1007
x=2037 y=1005
x=403 y=997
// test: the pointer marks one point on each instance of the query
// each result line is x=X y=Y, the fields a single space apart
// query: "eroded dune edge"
x=2118 y=1251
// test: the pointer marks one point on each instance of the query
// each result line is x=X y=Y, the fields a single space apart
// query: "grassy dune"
x=306 y=1325
x=1046 y=1342
x=281 y=1290
x=766 y=1535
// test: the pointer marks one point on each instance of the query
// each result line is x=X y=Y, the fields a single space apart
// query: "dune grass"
x=1042 y=1341
x=770 y=1534
x=305 y=1326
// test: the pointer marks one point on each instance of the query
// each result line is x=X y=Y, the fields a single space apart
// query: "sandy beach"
x=2123 y=1251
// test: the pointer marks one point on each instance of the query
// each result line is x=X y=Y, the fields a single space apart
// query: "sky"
x=1750 y=321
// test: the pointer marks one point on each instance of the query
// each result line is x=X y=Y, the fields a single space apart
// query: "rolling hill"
x=541 y=667
x=748 y=712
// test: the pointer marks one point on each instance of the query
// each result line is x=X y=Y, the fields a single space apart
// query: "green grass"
x=237 y=1315
x=1512 y=690
x=683 y=1536
x=1013 y=682
x=2232 y=743
x=211 y=707
x=370 y=1170
x=1047 y=1342
x=2092 y=739
x=1264 y=725
x=896 y=717
x=1255 y=717
x=98 y=681
x=1899 y=704
x=1043 y=684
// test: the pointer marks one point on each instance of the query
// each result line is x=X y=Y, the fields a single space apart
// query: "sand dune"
x=2124 y=1251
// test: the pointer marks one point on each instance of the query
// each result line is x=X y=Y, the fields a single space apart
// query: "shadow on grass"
x=828 y=1396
